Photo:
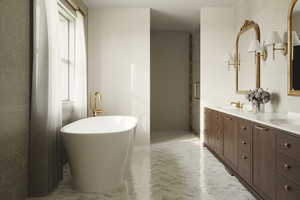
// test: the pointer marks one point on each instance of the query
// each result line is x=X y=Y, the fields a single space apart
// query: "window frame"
x=64 y=12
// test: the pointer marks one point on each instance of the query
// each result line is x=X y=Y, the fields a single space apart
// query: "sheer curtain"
x=45 y=143
x=80 y=105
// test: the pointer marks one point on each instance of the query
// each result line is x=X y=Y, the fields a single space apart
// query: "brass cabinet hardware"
x=287 y=167
x=287 y=145
x=261 y=128
x=287 y=188
x=228 y=118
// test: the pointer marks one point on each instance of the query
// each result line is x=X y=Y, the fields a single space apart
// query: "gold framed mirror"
x=294 y=49
x=248 y=69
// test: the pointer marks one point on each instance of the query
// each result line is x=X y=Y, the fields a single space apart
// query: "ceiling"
x=184 y=4
x=171 y=15
x=175 y=19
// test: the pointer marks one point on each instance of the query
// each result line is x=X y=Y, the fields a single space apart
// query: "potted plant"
x=258 y=97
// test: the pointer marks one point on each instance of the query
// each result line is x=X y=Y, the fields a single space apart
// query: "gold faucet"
x=95 y=102
x=237 y=104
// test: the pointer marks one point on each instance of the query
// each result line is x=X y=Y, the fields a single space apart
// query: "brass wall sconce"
x=258 y=50
x=277 y=44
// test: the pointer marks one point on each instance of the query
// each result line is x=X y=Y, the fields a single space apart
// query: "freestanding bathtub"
x=99 y=150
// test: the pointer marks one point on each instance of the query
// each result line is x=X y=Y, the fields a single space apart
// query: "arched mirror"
x=294 y=49
x=248 y=70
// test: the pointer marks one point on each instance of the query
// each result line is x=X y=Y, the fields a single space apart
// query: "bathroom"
x=218 y=145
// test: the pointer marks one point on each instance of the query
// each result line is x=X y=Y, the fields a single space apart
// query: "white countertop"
x=276 y=120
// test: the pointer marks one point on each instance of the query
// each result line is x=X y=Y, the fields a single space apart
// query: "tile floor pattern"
x=174 y=169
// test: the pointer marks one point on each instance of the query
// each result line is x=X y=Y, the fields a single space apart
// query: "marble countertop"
x=285 y=122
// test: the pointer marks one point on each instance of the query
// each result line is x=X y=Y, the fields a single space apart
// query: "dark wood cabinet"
x=230 y=140
x=265 y=159
x=207 y=127
x=264 y=164
x=288 y=167
x=245 y=150
x=287 y=190
x=213 y=131
x=218 y=134
x=288 y=145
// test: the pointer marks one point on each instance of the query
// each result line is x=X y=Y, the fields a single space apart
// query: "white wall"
x=219 y=27
x=217 y=38
x=119 y=63
x=169 y=81
x=271 y=15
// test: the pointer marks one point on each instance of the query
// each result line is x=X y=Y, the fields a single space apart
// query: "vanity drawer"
x=289 y=167
x=244 y=165
x=244 y=129
x=245 y=145
x=287 y=190
x=244 y=134
x=289 y=145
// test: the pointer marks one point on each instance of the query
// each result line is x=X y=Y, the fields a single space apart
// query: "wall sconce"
x=231 y=60
x=274 y=40
x=258 y=50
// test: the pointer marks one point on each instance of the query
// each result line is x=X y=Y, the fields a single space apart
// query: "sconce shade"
x=274 y=38
x=254 y=47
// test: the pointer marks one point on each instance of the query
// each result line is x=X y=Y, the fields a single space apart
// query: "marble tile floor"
x=174 y=168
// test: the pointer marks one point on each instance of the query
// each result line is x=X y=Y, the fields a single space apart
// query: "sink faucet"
x=237 y=104
x=95 y=102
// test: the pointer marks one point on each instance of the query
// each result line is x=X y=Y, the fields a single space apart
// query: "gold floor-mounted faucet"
x=96 y=102
x=237 y=104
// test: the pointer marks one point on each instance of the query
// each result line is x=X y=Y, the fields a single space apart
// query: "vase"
x=258 y=108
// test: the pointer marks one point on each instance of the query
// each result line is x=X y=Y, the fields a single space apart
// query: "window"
x=67 y=53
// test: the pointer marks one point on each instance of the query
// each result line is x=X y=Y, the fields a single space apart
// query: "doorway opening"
x=175 y=74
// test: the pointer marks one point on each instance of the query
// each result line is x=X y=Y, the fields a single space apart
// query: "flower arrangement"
x=258 y=96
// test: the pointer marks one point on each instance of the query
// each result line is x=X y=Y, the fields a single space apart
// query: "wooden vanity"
x=265 y=159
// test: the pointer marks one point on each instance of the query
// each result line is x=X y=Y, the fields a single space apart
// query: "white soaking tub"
x=99 y=151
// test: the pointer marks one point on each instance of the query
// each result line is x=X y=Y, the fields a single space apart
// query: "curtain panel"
x=45 y=166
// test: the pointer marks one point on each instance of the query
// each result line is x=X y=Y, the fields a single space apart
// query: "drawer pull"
x=228 y=118
x=244 y=142
x=261 y=128
x=287 y=167
x=244 y=128
x=244 y=157
x=287 y=145
x=287 y=188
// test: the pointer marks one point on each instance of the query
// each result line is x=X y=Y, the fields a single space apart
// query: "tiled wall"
x=14 y=97
x=119 y=66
